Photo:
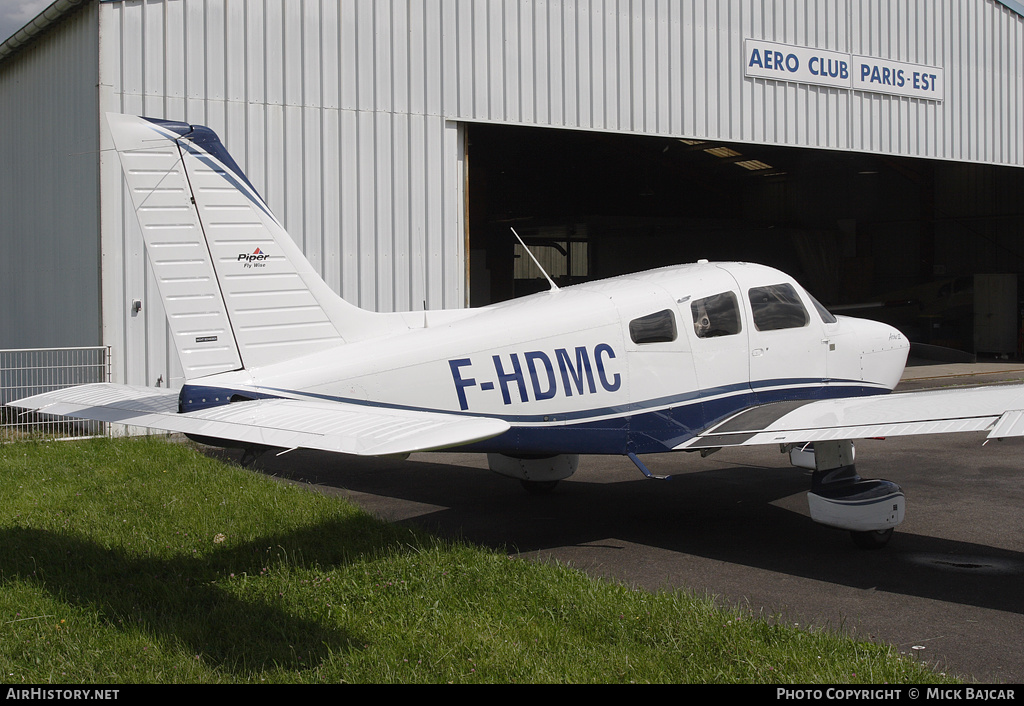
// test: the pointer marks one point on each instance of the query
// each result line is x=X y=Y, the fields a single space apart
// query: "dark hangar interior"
x=936 y=248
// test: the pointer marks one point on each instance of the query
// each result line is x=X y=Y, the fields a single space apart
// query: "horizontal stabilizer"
x=283 y=423
x=902 y=414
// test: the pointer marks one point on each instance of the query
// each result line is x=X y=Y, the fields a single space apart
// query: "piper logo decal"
x=254 y=259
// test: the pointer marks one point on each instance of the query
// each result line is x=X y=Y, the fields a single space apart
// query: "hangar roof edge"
x=1014 y=5
x=52 y=14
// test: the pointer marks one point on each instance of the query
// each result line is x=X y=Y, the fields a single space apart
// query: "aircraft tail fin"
x=238 y=291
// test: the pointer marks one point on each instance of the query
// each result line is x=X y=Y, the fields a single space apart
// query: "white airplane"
x=693 y=357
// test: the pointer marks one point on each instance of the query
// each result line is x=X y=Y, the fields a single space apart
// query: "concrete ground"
x=947 y=589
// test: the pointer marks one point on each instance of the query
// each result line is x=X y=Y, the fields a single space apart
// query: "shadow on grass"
x=183 y=599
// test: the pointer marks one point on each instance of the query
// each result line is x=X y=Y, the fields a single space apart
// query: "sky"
x=15 y=14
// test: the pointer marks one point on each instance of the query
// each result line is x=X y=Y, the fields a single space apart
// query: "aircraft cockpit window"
x=777 y=307
x=659 y=327
x=824 y=313
x=717 y=315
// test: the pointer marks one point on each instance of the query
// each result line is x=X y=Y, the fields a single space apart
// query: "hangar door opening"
x=932 y=247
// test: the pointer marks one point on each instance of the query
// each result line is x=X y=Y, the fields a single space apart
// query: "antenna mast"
x=554 y=287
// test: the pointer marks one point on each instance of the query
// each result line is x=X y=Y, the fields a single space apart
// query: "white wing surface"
x=284 y=423
x=998 y=410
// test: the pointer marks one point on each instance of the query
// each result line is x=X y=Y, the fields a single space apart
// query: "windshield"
x=824 y=313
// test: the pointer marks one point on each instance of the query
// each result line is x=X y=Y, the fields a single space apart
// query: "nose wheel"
x=872 y=539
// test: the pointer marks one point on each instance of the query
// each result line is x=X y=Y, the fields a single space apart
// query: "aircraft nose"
x=884 y=355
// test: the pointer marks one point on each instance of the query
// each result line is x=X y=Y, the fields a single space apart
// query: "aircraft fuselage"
x=638 y=363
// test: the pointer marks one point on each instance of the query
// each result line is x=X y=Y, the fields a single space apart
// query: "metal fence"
x=32 y=371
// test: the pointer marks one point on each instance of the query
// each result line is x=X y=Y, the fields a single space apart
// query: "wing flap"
x=998 y=409
x=1010 y=424
x=284 y=423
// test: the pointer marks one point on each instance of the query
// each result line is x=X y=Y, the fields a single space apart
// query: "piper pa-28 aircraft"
x=688 y=358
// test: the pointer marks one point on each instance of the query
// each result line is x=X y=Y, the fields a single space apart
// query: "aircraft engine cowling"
x=531 y=469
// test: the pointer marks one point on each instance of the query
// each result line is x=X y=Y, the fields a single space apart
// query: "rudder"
x=237 y=290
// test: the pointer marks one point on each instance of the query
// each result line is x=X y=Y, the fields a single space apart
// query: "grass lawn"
x=141 y=561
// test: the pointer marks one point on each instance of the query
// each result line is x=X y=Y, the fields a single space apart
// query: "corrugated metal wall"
x=981 y=47
x=665 y=67
x=49 y=194
x=367 y=180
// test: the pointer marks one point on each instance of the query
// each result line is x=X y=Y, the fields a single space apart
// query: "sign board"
x=784 y=62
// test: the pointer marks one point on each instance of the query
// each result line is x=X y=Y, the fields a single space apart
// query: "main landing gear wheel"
x=875 y=539
x=539 y=487
x=538 y=474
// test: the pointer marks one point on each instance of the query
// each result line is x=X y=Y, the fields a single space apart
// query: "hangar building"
x=871 y=148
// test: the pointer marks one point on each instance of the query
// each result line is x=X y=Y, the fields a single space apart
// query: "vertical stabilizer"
x=237 y=290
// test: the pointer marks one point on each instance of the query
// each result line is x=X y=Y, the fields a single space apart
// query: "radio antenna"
x=554 y=287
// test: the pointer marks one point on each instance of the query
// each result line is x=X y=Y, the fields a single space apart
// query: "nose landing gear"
x=868 y=509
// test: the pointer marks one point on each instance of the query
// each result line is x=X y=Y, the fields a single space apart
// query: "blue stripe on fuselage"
x=193 y=398
x=654 y=430
x=651 y=426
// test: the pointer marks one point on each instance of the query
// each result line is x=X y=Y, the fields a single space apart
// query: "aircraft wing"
x=998 y=410
x=283 y=423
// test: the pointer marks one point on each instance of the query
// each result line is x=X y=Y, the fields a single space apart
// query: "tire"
x=539 y=487
x=872 y=540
